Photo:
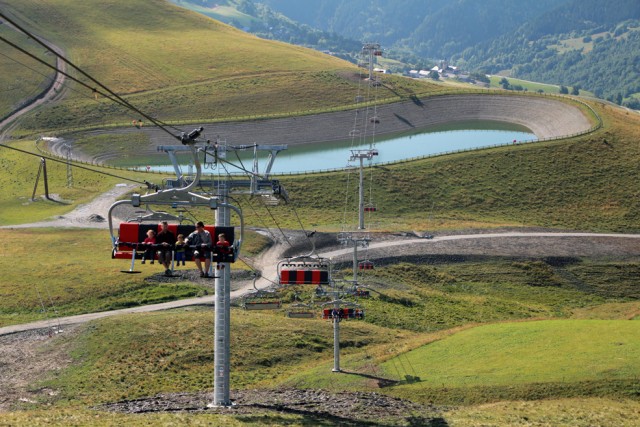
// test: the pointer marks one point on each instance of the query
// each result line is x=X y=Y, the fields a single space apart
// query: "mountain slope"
x=570 y=42
x=578 y=44
x=433 y=29
x=177 y=64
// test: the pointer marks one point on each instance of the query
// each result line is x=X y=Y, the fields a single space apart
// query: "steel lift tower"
x=362 y=155
x=370 y=51
x=192 y=191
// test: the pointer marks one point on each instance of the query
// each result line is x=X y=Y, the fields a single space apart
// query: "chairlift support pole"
x=336 y=339
x=362 y=241
x=361 y=155
x=185 y=195
x=336 y=317
x=42 y=169
x=222 y=331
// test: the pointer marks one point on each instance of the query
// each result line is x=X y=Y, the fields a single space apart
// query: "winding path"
x=546 y=117
x=52 y=92
x=507 y=243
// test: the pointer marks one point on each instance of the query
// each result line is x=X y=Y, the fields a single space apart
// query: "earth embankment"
x=546 y=117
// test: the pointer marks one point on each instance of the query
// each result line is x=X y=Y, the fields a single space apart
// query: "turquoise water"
x=335 y=155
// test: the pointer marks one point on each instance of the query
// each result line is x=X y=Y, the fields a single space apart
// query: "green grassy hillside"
x=176 y=64
x=22 y=78
x=534 y=355
x=79 y=276
x=150 y=354
x=583 y=183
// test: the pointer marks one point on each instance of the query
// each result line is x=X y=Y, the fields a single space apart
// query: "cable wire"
x=158 y=123
x=73 y=165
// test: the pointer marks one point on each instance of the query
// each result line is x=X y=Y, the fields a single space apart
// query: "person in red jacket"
x=149 y=243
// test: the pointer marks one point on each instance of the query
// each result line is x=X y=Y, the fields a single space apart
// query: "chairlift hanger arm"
x=110 y=216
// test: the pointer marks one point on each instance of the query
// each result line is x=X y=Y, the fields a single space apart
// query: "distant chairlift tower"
x=370 y=51
x=362 y=155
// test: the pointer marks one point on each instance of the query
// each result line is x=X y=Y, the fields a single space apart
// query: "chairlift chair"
x=343 y=313
x=261 y=300
x=360 y=291
x=304 y=270
x=300 y=311
x=365 y=265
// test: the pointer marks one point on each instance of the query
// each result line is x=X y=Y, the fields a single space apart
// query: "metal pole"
x=361 y=195
x=222 y=315
x=355 y=261
x=35 y=187
x=46 y=179
x=371 y=63
x=336 y=340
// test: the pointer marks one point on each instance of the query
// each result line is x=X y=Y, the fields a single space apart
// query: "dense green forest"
x=426 y=29
x=594 y=46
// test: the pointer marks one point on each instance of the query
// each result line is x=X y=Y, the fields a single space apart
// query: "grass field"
x=70 y=271
x=18 y=178
x=138 y=51
x=532 y=86
x=538 y=355
x=22 y=77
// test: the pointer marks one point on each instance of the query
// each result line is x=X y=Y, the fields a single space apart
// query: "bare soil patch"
x=29 y=357
x=347 y=408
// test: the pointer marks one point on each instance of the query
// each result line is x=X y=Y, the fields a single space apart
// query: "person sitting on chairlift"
x=149 y=242
x=223 y=246
x=181 y=254
x=201 y=239
x=165 y=239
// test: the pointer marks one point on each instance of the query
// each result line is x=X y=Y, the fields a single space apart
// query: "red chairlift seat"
x=365 y=265
x=303 y=273
x=359 y=292
x=131 y=234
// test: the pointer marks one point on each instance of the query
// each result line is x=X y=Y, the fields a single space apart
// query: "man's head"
x=200 y=225
x=164 y=225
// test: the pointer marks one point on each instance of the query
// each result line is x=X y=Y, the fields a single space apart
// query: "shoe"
x=202 y=274
x=151 y=262
x=206 y=276
x=168 y=272
x=143 y=261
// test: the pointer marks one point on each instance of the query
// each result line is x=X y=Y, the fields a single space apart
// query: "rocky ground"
x=348 y=409
x=30 y=356
x=34 y=355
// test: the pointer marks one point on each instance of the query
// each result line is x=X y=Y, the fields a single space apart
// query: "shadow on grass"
x=382 y=382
